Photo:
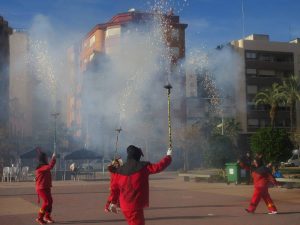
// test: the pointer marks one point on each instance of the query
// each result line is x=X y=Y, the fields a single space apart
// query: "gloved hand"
x=113 y=208
x=169 y=152
x=106 y=208
x=117 y=162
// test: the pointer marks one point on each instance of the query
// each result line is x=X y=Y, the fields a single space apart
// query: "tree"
x=188 y=139
x=220 y=151
x=274 y=144
x=231 y=128
x=271 y=96
x=292 y=94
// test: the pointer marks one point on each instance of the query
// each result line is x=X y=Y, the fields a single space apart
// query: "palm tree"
x=292 y=92
x=272 y=96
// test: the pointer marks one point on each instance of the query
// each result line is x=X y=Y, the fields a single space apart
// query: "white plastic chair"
x=24 y=173
x=13 y=173
x=5 y=174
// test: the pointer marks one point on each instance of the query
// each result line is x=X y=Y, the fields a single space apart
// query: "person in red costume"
x=130 y=185
x=262 y=177
x=43 y=184
x=116 y=163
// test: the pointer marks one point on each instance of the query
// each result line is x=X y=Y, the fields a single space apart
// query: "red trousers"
x=45 y=195
x=135 y=217
x=261 y=192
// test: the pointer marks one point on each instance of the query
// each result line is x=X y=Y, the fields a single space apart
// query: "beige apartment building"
x=264 y=63
x=20 y=86
x=104 y=39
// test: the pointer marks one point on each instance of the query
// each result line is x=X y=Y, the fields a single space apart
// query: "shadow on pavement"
x=153 y=218
x=88 y=221
x=287 y=213
x=188 y=217
x=56 y=193
x=190 y=206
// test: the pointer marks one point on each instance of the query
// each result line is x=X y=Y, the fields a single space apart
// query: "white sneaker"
x=272 y=212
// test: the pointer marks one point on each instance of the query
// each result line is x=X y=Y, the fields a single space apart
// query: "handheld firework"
x=118 y=130
x=169 y=87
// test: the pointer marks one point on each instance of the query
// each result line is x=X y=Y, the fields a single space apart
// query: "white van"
x=294 y=160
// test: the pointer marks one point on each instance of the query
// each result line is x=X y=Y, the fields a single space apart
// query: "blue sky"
x=211 y=22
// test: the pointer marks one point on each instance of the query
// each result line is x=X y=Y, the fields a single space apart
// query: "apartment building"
x=20 y=86
x=104 y=39
x=5 y=31
x=264 y=63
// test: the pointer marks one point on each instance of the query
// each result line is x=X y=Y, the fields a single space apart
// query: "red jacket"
x=130 y=183
x=43 y=178
x=262 y=176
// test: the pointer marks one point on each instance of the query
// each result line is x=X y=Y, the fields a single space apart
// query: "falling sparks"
x=158 y=44
x=198 y=63
x=42 y=63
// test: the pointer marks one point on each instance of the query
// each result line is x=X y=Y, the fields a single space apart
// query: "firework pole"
x=169 y=87
x=118 y=130
x=55 y=115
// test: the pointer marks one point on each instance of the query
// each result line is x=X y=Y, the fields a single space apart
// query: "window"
x=92 y=40
x=251 y=71
x=175 y=34
x=250 y=55
x=262 y=123
x=251 y=105
x=266 y=73
x=92 y=56
x=279 y=73
x=251 y=89
x=266 y=58
x=253 y=122
x=114 y=31
x=174 y=51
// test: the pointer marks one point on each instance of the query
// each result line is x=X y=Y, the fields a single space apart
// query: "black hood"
x=134 y=153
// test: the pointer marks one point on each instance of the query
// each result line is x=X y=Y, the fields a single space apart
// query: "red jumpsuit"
x=130 y=187
x=262 y=177
x=43 y=187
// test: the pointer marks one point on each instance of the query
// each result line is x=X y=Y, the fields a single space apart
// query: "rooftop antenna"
x=243 y=19
x=290 y=32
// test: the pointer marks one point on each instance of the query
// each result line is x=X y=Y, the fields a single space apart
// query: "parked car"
x=294 y=160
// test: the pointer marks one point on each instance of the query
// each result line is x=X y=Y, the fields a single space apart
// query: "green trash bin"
x=233 y=173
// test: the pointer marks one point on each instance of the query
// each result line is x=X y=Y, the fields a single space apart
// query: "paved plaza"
x=172 y=202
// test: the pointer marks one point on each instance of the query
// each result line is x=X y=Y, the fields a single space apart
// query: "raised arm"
x=52 y=161
x=160 y=166
x=50 y=165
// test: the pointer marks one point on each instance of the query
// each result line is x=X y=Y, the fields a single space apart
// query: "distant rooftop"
x=265 y=37
x=257 y=37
